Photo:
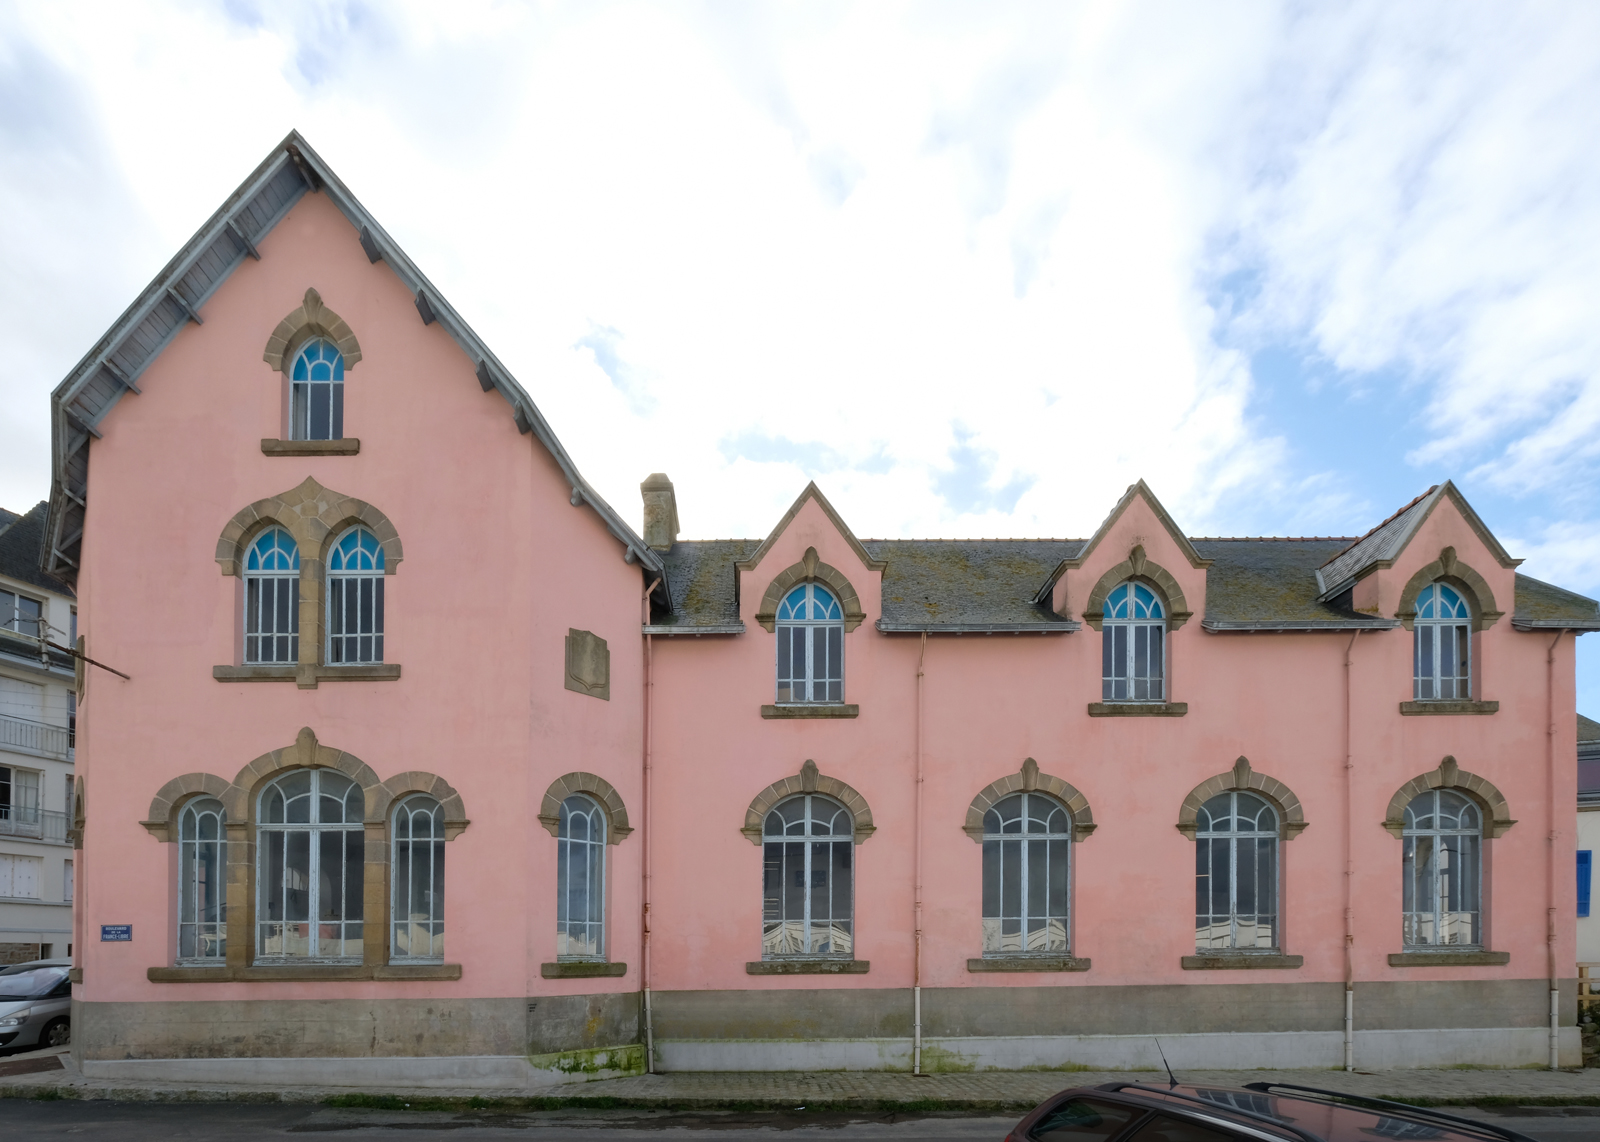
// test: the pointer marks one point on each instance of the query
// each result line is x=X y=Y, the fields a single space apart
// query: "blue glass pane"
x=794 y=605
x=300 y=373
x=1426 y=608
x=1451 y=604
x=1146 y=606
x=823 y=604
x=273 y=551
x=1117 y=603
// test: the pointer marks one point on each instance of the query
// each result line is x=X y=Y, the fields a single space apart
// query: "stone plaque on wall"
x=588 y=664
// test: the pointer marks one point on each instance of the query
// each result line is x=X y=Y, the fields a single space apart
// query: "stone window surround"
x=1291 y=816
x=1140 y=569
x=239 y=799
x=315 y=517
x=313 y=319
x=598 y=788
x=1475 y=590
x=1029 y=779
x=810 y=569
x=1493 y=807
x=808 y=780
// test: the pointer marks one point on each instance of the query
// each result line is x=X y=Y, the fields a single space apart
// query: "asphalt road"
x=236 y=1122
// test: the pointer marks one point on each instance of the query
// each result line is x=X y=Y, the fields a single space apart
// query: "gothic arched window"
x=202 y=882
x=1027 y=843
x=808 y=884
x=316 y=393
x=272 y=598
x=1132 y=646
x=581 y=880
x=310 y=855
x=1443 y=645
x=355 y=598
x=810 y=628
x=1442 y=866
x=416 y=914
x=1236 y=874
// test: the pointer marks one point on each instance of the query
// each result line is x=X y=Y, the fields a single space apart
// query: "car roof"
x=1305 y=1114
x=31 y=965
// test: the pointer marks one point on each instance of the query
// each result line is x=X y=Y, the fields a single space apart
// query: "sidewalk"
x=52 y=1074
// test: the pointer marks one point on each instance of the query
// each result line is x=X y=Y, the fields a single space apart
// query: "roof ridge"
x=973 y=539
x=1417 y=500
x=1269 y=539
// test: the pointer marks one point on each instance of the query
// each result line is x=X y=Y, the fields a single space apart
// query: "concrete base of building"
x=1374 y=1050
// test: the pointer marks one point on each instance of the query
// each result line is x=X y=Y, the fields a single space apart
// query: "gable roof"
x=21 y=537
x=969 y=585
x=1381 y=546
x=812 y=492
x=1137 y=488
x=114 y=365
x=1544 y=606
x=1271 y=584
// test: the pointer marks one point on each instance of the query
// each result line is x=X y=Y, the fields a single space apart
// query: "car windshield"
x=33 y=984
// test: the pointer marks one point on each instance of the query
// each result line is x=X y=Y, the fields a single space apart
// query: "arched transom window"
x=808 y=891
x=355 y=598
x=202 y=882
x=1443 y=645
x=272 y=598
x=1027 y=841
x=316 y=393
x=1442 y=868
x=1132 y=646
x=309 y=856
x=1236 y=874
x=581 y=880
x=810 y=628
x=417 y=911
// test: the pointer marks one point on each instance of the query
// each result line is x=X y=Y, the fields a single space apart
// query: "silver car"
x=35 y=1006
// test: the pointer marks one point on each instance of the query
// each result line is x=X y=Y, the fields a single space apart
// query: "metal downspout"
x=644 y=860
x=916 y=958
x=1349 y=866
x=1550 y=859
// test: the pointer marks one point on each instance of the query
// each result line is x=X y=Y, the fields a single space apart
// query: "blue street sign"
x=116 y=932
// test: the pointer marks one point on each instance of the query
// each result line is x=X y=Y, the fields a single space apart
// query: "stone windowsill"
x=302 y=973
x=807 y=967
x=349 y=446
x=1448 y=959
x=817 y=711
x=1240 y=960
x=1027 y=963
x=1442 y=707
x=581 y=969
x=1138 y=709
x=307 y=677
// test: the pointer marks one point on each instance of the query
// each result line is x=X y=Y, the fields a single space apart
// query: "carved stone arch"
x=168 y=803
x=312 y=319
x=1496 y=812
x=1291 y=817
x=305 y=753
x=315 y=516
x=810 y=569
x=1029 y=779
x=1152 y=575
x=403 y=785
x=599 y=789
x=808 y=780
x=1473 y=587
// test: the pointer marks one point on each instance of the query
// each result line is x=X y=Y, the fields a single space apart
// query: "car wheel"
x=56 y=1033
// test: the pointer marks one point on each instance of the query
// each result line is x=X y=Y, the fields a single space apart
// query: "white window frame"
x=314 y=922
x=581 y=940
x=202 y=866
x=818 y=684
x=1206 y=837
x=364 y=645
x=302 y=393
x=778 y=929
x=1467 y=849
x=11 y=620
x=18 y=808
x=1011 y=856
x=416 y=906
x=277 y=582
x=1124 y=636
x=1431 y=637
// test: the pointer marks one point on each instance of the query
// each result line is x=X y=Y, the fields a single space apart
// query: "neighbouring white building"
x=37 y=714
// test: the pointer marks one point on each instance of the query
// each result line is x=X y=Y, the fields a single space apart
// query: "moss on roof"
x=1269 y=580
x=1537 y=601
x=21 y=538
x=968 y=582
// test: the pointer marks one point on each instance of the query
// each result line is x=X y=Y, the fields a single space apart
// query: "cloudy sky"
x=972 y=267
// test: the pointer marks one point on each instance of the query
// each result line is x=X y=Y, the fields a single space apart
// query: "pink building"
x=418 y=731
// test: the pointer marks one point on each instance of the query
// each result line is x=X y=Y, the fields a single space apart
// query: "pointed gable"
x=112 y=368
x=812 y=492
x=1137 y=490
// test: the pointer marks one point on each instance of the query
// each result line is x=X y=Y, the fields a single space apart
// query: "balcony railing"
x=38 y=738
x=35 y=824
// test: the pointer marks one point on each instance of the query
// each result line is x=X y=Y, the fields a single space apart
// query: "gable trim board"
x=812 y=492
x=81 y=402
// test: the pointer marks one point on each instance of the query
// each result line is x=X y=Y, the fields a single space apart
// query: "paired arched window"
x=202 y=882
x=355 y=598
x=1236 y=874
x=808 y=888
x=1443 y=645
x=272 y=598
x=310 y=851
x=1133 y=645
x=416 y=914
x=316 y=393
x=1027 y=840
x=1442 y=866
x=810 y=628
x=581 y=880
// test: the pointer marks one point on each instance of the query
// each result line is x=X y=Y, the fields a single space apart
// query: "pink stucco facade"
x=499 y=564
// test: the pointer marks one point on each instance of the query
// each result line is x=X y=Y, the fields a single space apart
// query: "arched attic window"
x=810 y=629
x=316 y=392
x=1133 y=645
x=1442 y=646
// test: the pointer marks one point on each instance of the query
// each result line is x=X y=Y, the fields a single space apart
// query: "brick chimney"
x=660 y=512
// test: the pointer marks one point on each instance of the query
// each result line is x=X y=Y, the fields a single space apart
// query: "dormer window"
x=1132 y=645
x=810 y=629
x=1442 y=658
x=316 y=393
